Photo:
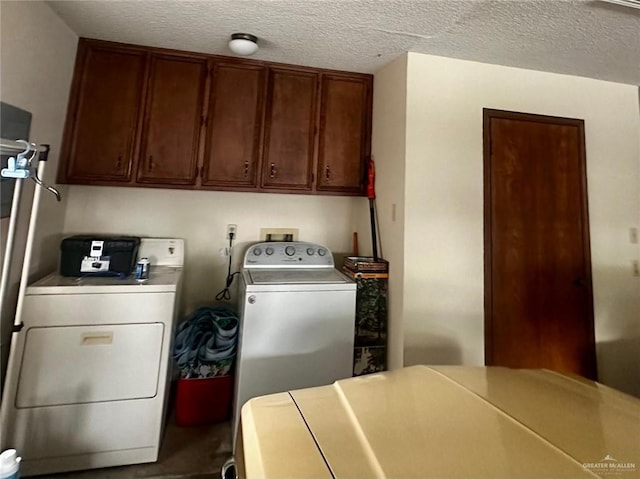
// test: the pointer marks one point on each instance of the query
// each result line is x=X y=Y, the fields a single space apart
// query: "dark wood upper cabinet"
x=173 y=116
x=142 y=116
x=289 y=130
x=345 y=133
x=102 y=119
x=236 y=107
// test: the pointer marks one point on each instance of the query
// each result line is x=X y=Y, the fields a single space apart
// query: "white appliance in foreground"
x=87 y=380
x=297 y=321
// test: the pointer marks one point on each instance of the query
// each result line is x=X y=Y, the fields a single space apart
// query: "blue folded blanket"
x=205 y=343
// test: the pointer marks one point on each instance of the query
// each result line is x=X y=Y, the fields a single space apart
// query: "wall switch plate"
x=232 y=230
x=278 y=234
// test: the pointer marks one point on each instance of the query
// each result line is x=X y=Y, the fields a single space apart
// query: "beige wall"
x=388 y=149
x=443 y=280
x=37 y=51
x=200 y=217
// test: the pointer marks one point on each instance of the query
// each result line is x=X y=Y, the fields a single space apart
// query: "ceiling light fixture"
x=626 y=3
x=243 y=44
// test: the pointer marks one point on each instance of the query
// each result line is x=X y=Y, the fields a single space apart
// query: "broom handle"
x=371 y=194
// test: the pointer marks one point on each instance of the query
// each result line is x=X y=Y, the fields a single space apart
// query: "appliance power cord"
x=225 y=293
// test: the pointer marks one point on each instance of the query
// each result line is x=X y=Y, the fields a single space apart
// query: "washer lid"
x=297 y=276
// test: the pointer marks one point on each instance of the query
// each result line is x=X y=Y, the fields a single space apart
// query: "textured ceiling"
x=577 y=37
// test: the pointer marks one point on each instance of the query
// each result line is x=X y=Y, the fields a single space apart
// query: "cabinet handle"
x=246 y=168
x=119 y=162
x=274 y=171
x=327 y=173
x=151 y=163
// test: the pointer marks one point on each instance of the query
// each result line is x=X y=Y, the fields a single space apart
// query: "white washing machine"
x=87 y=380
x=297 y=321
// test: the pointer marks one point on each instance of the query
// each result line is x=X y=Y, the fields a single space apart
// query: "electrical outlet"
x=232 y=230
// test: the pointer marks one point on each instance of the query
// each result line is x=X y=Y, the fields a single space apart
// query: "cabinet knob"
x=274 y=171
x=246 y=168
x=119 y=162
x=327 y=173
x=151 y=163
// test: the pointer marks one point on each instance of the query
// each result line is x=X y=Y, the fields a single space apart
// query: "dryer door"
x=84 y=364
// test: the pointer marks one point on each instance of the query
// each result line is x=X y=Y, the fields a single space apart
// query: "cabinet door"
x=103 y=115
x=345 y=140
x=289 y=130
x=236 y=105
x=173 y=116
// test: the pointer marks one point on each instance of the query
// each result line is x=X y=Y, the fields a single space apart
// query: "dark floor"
x=186 y=453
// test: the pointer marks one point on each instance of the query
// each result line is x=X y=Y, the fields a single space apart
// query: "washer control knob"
x=310 y=251
x=289 y=251
x=251 y=299
x=257 y=251
x=322 y=251
x=269 y=250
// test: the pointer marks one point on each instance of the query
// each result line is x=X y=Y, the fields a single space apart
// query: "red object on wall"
x=203 y=401
x=371 y=180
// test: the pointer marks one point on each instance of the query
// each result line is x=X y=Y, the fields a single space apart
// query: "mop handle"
x=371 y=194
x=371 y=181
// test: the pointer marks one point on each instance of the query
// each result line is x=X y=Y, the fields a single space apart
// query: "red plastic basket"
x=203 y=401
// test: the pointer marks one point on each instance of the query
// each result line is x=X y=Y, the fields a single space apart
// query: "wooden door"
x=100 y=136
x=538 y=299
x=344 y=143
x=173 y=117
x=236 y=107
x=289 y=130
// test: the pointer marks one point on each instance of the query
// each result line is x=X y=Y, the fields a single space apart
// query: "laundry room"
x=209 y=233
x=216 y=142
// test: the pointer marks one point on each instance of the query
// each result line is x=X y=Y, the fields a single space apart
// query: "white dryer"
x=297 y=321
x=87 y=380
